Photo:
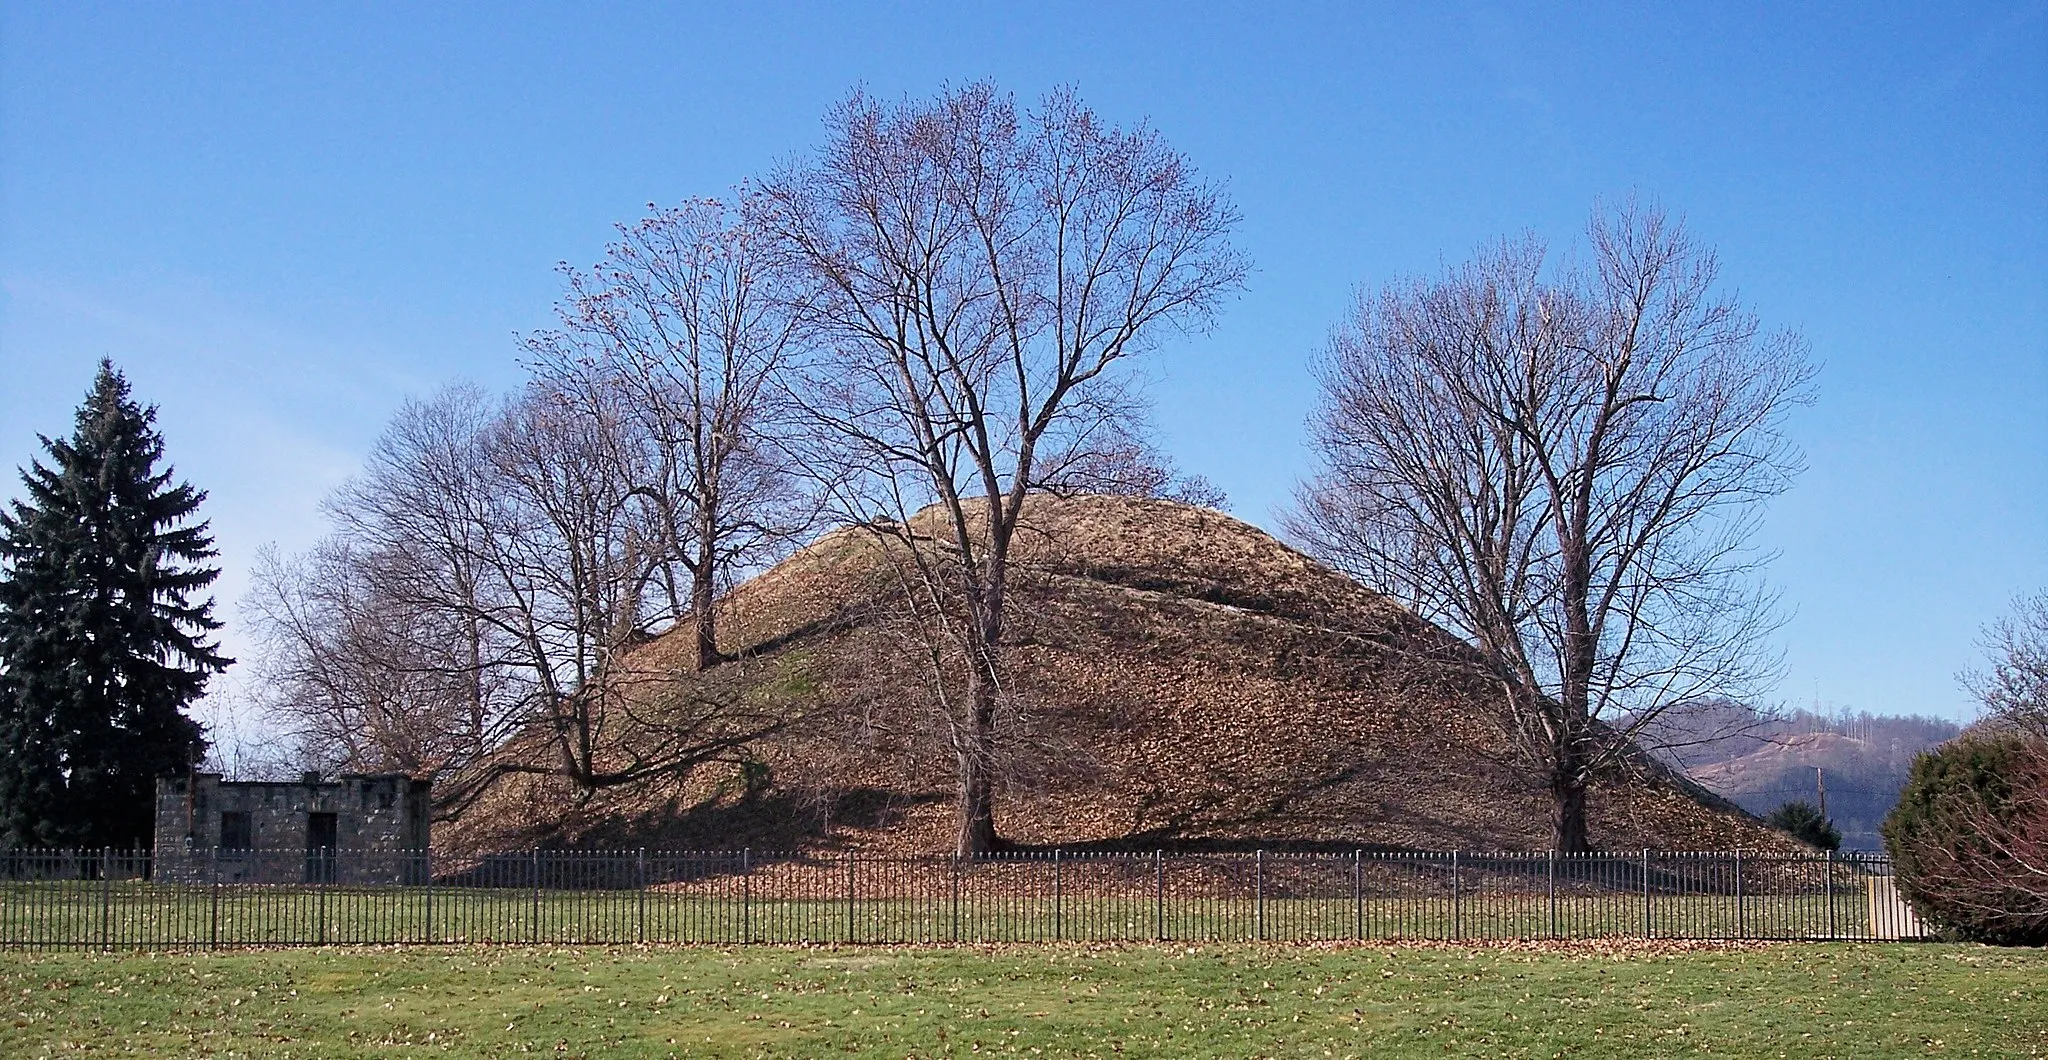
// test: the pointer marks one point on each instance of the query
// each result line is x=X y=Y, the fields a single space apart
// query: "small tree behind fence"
x=225 y=898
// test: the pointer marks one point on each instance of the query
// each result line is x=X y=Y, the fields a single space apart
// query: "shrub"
x=1969 y=839
x=1802 y=821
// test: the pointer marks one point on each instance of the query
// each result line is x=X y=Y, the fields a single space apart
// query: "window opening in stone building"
x=236 y=831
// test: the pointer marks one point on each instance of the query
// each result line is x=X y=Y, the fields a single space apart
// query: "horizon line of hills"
x=1863 y=760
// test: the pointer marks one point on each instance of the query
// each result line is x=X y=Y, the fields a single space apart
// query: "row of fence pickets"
x=288 y=897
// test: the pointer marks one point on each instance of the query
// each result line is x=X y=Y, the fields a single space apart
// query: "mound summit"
x=1184 y=681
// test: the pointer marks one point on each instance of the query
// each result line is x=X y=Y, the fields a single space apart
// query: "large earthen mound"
x=1180 y=679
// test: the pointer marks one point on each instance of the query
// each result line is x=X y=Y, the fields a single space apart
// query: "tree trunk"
x=976 y=751
x=1568 y=813
x=572 y=736
x=703 y=598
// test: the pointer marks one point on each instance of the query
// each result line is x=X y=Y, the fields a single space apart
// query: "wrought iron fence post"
x=1828 y=876
x=1259 y=894
x=956 y=896
x=1457 y=898
x=1647 y=933
x=1358 y=895
x=533 y=930
x=850 y=932
x=427 y=882
x=320 y=911
x=1159 y=894
x=106 y=893
x=746 y=895
x=640 y=895
x=213 y=928
x=1553 y=891
x=1058 y=927
x=1741 y=922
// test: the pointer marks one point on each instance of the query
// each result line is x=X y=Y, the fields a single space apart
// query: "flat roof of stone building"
x=303 y=783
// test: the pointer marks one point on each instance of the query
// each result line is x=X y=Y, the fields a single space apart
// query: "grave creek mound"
x=1178 y=679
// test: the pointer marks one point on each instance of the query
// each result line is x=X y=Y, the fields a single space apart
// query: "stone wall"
x=380 y=824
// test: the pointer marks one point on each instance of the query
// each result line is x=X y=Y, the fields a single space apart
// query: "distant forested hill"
x=1862 y=758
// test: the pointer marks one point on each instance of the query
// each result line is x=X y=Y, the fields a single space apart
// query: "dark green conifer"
x=101 y=644
x=1803 y=821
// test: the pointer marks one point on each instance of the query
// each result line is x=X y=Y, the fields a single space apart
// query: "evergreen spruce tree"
x=101 y=646
x=1804 y=822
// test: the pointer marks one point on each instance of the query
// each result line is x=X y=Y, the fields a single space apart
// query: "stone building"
x=353 y=828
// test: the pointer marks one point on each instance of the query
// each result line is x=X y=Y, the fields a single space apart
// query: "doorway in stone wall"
x=320 y=835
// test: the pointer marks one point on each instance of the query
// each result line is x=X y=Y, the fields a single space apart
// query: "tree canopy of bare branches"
x=972 y=277
x=676 y=341
x=2013 y=685
x=1124 y=463
x=375 y=651
x=1564 y=464
x=485 y=574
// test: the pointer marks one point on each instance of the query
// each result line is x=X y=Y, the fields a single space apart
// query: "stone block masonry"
x=208 y=827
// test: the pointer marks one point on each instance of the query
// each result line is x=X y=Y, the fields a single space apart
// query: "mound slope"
x=1183 y=680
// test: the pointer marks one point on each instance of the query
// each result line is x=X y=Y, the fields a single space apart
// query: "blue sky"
x=283 y=219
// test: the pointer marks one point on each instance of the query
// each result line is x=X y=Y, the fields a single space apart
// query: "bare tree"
x=1564 y=466
x=568 y=556
x=2013 y=686
x=675 y=341
x=1124 y=463
x=374 y=648
x=972 y=276
x=487 y=573
x=364 y=681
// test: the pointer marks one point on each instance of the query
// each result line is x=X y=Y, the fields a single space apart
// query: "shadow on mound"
x=776 y=820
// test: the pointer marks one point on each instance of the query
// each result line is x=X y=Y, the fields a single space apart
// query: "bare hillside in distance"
x=1862 y=759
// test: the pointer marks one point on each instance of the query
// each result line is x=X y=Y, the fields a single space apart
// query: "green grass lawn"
x=1571 y=1000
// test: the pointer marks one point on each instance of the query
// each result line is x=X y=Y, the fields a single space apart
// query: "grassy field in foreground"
x=1574 y=1000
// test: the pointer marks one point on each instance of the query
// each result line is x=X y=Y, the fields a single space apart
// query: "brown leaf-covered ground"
x=1180 y=679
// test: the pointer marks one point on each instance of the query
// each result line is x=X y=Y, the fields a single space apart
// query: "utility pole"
x=1820 y=785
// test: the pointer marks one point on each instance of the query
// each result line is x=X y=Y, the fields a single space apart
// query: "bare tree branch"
x=675 y=341
x=1565 y=467
x=487 y=576
x=2013 y=686
x=971 y=278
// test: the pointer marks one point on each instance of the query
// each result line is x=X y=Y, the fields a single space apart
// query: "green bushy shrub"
x=1969 y=839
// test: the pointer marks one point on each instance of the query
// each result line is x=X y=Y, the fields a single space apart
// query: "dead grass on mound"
x=1180 y=679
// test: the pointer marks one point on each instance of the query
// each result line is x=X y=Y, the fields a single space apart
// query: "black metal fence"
x=225 y=898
